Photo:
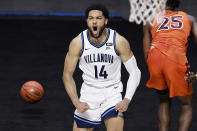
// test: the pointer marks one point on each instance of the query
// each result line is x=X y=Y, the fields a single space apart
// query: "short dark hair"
x=173 y=4
x=99 y=7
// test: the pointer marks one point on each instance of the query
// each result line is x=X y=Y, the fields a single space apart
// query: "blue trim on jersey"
x=88 y=121
x=83 y=123
x=82 y=38
x=114 y=41
x=100 y=45
x=111 y=112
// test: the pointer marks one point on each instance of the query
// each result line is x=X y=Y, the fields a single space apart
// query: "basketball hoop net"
x=143 y=11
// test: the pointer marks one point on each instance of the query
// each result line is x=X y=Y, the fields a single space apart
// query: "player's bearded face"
x=96 y=32
x=96 y=23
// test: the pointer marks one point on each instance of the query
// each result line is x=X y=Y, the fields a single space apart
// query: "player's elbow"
x=139 y=72
x=66 y=77
x=137 y=75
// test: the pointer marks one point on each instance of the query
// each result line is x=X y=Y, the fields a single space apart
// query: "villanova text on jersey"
x=99 y=57
x=100 y=63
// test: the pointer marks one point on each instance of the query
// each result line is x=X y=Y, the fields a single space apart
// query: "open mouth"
x=95 y=30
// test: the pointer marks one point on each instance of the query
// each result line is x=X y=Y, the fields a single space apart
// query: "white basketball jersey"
x=101 y=64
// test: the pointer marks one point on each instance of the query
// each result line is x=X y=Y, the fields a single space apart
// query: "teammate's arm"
x=71 y=60
x=194 y=26
x=127 y=57
x=146 y=40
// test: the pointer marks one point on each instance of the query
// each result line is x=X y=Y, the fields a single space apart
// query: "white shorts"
x=102 y=104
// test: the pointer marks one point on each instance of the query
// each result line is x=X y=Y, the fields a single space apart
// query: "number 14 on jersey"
x=102 y=72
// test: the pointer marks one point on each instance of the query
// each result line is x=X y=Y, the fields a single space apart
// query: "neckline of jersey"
x=98 y=45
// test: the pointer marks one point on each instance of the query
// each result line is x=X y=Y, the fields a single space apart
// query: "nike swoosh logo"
x=87 y=48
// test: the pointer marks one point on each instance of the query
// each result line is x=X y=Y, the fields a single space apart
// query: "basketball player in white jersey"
x=100 y=51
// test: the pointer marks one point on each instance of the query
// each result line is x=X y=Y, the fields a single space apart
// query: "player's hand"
x=191 y=77
x=82 y=106
x=122 y=106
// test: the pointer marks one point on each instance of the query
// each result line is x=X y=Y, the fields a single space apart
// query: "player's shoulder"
x=120 y=38
x=121 y=42
x=182 y=12
x=191 y=18
x=76 y=44
x=76 y=40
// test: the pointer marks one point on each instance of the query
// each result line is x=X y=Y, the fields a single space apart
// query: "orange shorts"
x=165 y=73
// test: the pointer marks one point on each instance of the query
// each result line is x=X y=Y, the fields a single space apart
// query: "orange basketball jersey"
x=171 y=34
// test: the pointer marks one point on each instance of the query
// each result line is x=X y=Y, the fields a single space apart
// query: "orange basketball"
x=32 y=91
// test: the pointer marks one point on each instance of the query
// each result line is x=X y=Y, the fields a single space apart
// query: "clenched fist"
x=122 y=106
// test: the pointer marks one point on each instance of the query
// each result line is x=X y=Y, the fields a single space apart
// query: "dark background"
x=77 y=6
x=34 y=48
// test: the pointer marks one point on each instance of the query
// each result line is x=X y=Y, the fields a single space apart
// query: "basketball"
x=32 y=91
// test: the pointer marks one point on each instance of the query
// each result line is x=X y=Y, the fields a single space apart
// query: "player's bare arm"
x=71 y=60
x=146 y=39
x=194 y=26
x=123 y=48
x=127 y=57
